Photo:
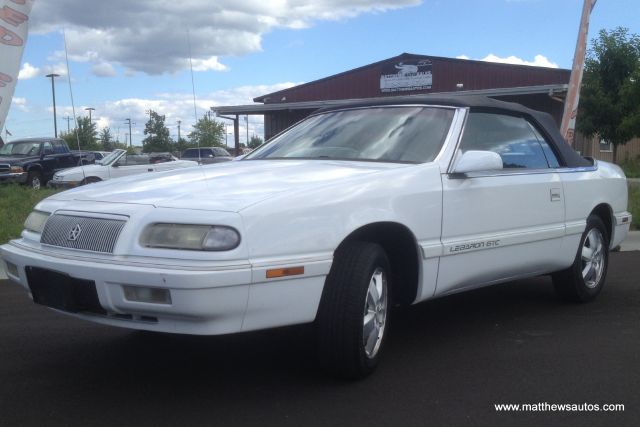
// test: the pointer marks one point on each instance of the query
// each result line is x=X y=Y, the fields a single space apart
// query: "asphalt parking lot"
x=447 y=363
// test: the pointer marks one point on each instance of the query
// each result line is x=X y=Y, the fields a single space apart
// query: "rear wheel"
x=584 y=280
x=354 y=311
x=34 y=180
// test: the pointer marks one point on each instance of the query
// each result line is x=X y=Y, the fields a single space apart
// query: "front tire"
x=354 y=311
x=90 y=180
x=584 y=280
x=34 y=180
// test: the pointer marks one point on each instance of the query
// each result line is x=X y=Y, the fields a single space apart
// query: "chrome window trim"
x=448 y=148
x=511 y=172
x=368 y=107
x=453 y=157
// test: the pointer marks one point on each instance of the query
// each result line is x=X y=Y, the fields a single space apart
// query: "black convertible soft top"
x=543 y=121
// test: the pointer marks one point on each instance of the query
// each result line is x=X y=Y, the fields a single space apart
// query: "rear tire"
x=354 y=311
x=584 y=280
x=34 y=180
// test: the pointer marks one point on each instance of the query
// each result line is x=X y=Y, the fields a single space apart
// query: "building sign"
x=406 y=76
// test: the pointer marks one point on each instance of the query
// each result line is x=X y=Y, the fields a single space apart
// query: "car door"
x=131 y=164
x=48 y=161
x=506 y=223
x=64 y=157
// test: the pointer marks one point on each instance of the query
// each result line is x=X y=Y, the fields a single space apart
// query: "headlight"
x=190 y=237
x=36 y=220
x=16 y=169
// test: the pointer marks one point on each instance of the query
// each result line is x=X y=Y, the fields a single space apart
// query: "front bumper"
x=63 y=184
x=204 y=301
x=19 y=178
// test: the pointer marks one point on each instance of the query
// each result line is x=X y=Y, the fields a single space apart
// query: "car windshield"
x=112 y=157
x=406 y=134
x=23 y=148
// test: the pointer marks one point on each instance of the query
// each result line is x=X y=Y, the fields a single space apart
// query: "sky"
x=126 y=57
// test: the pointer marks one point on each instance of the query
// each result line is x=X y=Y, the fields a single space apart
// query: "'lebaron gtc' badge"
x=74 y=233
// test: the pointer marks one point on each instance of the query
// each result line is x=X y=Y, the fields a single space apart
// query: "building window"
x=605 y=146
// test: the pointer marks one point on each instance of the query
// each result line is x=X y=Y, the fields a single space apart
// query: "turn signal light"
x=282 y=272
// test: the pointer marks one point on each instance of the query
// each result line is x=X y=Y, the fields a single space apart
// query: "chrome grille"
x=4 y=168
x=79 y=232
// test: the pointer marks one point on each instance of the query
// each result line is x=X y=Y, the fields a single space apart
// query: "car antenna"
x=73 y=107
x=193 y=89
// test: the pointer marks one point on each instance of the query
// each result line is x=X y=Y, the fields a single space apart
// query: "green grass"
x=631 y=168
x=16 y=202
x=634 y=205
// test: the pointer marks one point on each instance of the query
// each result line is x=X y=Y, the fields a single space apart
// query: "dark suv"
x=207 y=155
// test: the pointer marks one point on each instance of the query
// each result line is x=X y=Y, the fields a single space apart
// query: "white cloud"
x=210 y=64
x=20 y=103
x=28 y=71
x=59 y=68
x=538 y=60
x=150 y=35
x=103 y=69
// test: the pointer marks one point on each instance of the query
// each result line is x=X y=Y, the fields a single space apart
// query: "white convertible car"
x=115 y=165
x=355 y=208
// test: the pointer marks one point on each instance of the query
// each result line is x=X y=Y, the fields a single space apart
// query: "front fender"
x=316 y=221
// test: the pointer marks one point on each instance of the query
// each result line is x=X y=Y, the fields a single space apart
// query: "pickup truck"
x=34 y=161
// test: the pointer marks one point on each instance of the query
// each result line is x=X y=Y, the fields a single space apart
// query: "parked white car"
x=397 y=200
x=115 y=165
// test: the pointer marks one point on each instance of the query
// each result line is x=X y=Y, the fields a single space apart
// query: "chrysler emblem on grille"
x=74 y=233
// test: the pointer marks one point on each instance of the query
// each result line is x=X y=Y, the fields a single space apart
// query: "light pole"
x=128 y=121
x=53 y=92
x=90 y=109
x=179 y=123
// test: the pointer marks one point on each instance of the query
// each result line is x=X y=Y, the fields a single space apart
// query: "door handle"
x=555 y=195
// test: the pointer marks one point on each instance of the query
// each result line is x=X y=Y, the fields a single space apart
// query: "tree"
x=255 y=142
x=106 y=139
x=609 y=104
x=207 y=133
x=158 y=139
x=85 y=133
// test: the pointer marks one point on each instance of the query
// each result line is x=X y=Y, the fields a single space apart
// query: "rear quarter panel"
x=588 y=189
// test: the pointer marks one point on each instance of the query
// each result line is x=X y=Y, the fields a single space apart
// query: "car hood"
x=229 y=186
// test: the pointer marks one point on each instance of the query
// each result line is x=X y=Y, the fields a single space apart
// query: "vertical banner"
x=14 y=28
x=568 y=126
